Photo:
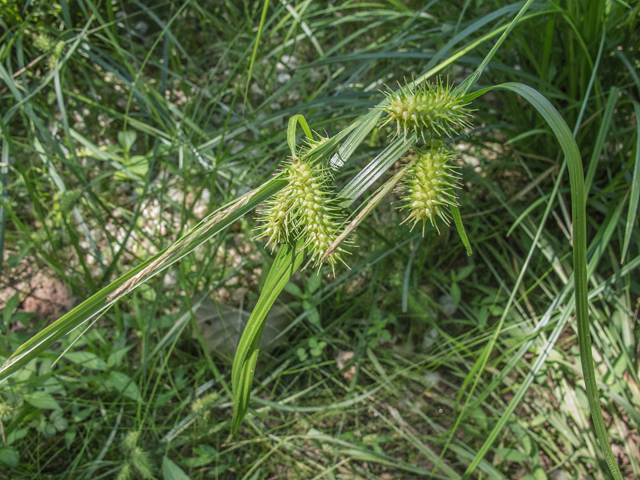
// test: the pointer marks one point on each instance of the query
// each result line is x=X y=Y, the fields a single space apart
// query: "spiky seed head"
x=130 y=441
x=44 y=42
x=59 y=49
x=431 y=187
x=138 y=459
x=5 y=410
x=141 y=462
x=276 y=218
x=50 y=46
x=316 y=213
x=310 y=144
x=202 y=405
x=430 y=110
x=125 y=472
x=304 y=209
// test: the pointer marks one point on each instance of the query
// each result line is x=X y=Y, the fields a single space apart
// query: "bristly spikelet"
x=125 y=472
x=130 y=442
x=303 y=209
x=278 y=212
x=430 y=190
x=429 y=109
x=140 y=460
x=50 y=46
x=316 y=217
x=310 y=144
x=276 y=218
x=43 y=43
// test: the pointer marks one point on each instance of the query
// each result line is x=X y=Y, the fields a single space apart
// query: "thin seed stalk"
x=368 y=208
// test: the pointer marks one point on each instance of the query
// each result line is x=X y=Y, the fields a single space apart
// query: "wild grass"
x=130 y=131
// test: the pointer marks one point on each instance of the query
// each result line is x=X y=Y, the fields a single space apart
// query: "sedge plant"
x=301 y=215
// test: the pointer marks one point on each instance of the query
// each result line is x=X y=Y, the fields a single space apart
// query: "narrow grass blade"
x=368 y=208
x=99 y=302
x=630 y=67
x=527 y=211
x=374 y=170
x=578 y=217
x=635 y=190
x=471 y=80
x=362 y=126
x=65 y=14
x=457 y=219
x=263 y=17
x=291 y=131
x=407 y=276
x=602 y=135
x=471 y=29
x=599 y=250
x=482 y=360
x=4 y=170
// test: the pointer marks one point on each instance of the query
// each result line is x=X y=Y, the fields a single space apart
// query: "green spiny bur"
x=49 y=46
x=429 y=109
x=315 y=216
x=276 y=218
x=138 y=459
x=310 y=144
x=130 y=441
x=304 y=209
x=125 y=472
x=430 y=189
x=44 y=43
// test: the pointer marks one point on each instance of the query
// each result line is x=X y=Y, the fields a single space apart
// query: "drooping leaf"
x=287 y=261
x=580 y=275
x=99 y=302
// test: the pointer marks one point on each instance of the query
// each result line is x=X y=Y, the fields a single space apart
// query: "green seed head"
x=58 y=50
x=44 y=43
x=304 y=209
x=203 y=404
x=430 y=189
x=429 y=109
x=125 y=472
x=51 y=47
x=311 y=144
x=5 y=410
x=130 y=441
x=141 y=462
x=276 y=218
x=138 y=459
